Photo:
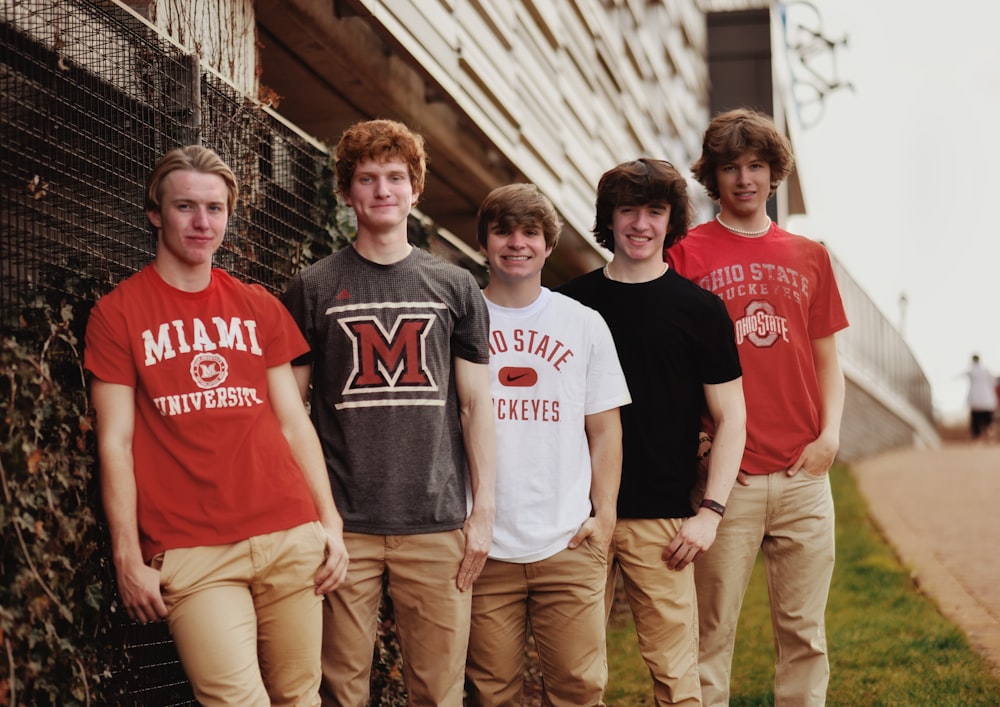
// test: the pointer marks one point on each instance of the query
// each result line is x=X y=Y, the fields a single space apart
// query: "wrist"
x=607 y=517
x=713 y=506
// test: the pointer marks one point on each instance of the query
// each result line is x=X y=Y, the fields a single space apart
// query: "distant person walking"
x=982 y=398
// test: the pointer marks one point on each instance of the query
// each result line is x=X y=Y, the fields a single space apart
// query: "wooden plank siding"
x=566 y=89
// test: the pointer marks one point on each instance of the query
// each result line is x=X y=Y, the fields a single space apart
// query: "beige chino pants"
x=245 y=617
x=790 y=520
x=663 y=606
x=432 y=618
x=563 y=597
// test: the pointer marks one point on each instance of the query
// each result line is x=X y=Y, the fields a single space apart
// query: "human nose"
x=641 y=221
x=201 y=219
x=381 y=187
x=517 y=240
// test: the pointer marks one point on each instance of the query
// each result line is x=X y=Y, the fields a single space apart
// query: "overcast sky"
x=902 y=175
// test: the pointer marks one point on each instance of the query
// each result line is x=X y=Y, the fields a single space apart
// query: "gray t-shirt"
x=383 y=401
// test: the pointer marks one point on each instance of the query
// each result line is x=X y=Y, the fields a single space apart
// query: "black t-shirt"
x=673 y=337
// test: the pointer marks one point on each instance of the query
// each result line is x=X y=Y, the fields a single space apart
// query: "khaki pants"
x=663 y=606
x=246 y=619
x=791 y=520
x=563 y=597
x=432 y=618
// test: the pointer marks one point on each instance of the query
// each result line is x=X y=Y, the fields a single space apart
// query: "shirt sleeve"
x=470 y=338
x=106 y=354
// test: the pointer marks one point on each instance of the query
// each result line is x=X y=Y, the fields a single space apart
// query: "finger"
x=159 y=608
x=324 y=578
x=575 y=541
x=464 y=580
x=336 y=578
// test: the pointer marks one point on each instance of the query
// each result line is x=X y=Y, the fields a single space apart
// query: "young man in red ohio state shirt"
x=780 y=291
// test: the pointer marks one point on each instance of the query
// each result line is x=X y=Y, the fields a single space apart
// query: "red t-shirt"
x=781 y=294
x=211 y=463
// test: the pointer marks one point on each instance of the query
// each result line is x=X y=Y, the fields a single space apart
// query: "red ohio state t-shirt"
x=780 y=292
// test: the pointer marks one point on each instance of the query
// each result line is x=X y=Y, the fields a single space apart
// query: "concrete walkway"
x=940 y=510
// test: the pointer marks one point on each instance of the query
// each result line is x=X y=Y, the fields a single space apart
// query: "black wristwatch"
x=713 y=506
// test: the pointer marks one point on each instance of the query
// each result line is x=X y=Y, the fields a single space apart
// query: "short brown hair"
x=518 y=205
x=734 y=133
x=380 y=140
x=637 y=183
x=193 y=158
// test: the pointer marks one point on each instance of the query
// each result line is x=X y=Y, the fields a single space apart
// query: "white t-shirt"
x=552 y=363
x=982 y=388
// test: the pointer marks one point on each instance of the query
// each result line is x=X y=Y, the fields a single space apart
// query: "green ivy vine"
x=54 y=585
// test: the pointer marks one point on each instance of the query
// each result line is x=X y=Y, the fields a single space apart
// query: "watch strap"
x=713 y=506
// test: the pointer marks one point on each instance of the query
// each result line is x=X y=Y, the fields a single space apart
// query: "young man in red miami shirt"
x=212 y=477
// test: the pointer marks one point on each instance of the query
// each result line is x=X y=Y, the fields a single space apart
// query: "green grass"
x=889 y=645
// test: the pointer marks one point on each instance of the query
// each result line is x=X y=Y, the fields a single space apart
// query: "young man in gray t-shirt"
x=400 y=397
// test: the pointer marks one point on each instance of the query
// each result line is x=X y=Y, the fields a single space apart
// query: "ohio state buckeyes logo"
x=209 y=370
x=761 y=326
x=394 y=359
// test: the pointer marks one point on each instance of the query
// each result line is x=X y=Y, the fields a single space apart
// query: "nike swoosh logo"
x=517 y=377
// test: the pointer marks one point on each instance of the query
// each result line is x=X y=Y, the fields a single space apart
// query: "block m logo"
x=389 y=360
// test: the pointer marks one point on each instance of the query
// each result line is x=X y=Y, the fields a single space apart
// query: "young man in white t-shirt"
x=557 y=386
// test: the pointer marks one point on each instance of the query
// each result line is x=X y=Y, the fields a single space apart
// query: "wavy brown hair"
x=518 y=205
x=734 y=133
x=637 y=183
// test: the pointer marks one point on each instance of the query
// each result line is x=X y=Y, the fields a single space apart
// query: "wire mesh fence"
x=90 y=97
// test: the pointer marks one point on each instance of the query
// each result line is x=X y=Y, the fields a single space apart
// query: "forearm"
x=480 y=448
x=727 y=408
x=119 y=497
x=604 y=438
x=834 y=390
x=114 y=407
x=830 y=377
x=478 y=434
x=308 y=455
x=286 y=386
x=724 y=459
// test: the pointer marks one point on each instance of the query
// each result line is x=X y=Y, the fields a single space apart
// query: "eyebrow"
x=372 y=172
